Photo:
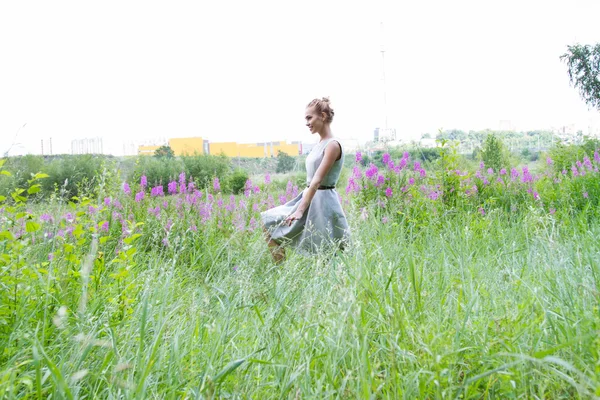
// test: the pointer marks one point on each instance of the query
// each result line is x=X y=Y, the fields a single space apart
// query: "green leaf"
x=103 y=239
x=34 y=189
x=7 y=235
x=2 y=161
x=2 y=198
x=18 y=198
x=131 y=251
x=229 y=368
x=31 y=226
x=5 y=172
x=130 y=239
x=40 y=175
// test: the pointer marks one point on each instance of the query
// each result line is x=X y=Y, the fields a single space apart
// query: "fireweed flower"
x=596 y=157
x=574 y=170
x=411 y=181
x=267 y=179
x=46 y=218
x=490 y=171
x=216 y=184
x=588 y=163
x=357 y=173
x=358 y=157
x=388 y=192
x=371 y=171
x=104 y=226
x=481 y=165
x=384 y=220
x=107 y=201
x=422 y=173
x=526 y=175
x=503 y=171
x=256 y=190
x=536 y=196
x=481 y=211
x=585 y=195
x=126 y=189
x=417 y=166
x=172 y=187
x=380 y=180
x=514 y=174
x=403 y=162
x=139 y=197
x=143 y=181
x=549 y=161
x=552 y=211
x=92 y=210
x=386 y=158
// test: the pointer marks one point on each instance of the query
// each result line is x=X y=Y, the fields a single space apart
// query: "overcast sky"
x=244 y=70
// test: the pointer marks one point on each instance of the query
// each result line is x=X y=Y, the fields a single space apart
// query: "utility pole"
x=385 y=115
x=42 y=146
x=50 y=146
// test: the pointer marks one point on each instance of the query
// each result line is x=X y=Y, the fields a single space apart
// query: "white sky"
x=244 y=70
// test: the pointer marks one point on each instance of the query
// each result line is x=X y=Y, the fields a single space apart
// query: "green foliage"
x=237 y=181
x=583 y=63
x=203 y=168
x=164 y=152
x=425 y=154
x=564 y=156
x=158 y=170
x=494 y=153
x=285 y=162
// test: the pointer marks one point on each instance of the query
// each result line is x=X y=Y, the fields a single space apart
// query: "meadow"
x=461 y=281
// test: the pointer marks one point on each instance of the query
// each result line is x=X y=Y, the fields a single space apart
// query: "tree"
x=583 y=62
x=285 y=162
x=494 y=154
x=164 y=152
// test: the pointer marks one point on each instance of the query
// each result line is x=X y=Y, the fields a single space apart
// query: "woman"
x=314 y=220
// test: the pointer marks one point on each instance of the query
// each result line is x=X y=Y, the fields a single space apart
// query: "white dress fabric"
x=324 y=223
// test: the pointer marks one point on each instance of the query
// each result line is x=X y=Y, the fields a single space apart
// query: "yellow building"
x=188 y=146
x=147 y=150
x=267 y=149
x=197 y=145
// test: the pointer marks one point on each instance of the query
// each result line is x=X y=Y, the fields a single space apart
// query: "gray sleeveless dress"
x=324 y=223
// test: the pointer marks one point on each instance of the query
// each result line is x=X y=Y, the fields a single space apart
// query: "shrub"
x=237 y=181
x=158 y=170
x=285 y=162
x=203 y=168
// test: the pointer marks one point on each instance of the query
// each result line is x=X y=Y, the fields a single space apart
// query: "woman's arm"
x=332 y=154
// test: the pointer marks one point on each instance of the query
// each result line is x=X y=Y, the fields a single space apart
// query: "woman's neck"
x=326 y=134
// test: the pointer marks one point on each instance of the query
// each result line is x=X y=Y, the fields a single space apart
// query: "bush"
x=285 y=162
x=158 y=171
x=203 y=168
x=237 y=181
x=73 y=175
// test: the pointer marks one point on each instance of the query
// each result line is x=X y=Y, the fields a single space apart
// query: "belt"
x=323 y=187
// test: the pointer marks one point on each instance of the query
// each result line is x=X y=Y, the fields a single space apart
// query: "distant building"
x=198 y=145
x=84 y=146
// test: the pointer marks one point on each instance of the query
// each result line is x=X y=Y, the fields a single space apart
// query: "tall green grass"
x=463 y=307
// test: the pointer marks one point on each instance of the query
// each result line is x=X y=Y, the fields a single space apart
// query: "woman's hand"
x=293 y=217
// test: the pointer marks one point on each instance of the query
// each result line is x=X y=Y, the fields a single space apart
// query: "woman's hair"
x=322 y=105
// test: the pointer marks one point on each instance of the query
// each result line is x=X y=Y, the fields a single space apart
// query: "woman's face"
x=314 y=121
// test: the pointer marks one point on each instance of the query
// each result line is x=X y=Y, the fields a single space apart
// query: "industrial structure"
x=198 y=145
